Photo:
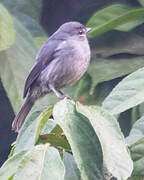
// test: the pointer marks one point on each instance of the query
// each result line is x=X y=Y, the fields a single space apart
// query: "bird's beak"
x=88 y=29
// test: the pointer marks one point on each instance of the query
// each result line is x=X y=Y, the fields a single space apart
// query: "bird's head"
x=74 y=30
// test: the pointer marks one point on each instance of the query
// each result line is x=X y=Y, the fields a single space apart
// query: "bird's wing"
x=33 y=75
x=44 y=57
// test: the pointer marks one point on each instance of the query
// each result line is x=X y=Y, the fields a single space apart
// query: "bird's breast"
x=79 y=62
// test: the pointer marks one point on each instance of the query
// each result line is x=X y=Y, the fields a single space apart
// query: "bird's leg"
x=58 y=93
x=64 y=95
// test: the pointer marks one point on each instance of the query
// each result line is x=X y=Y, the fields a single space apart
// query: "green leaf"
x=28 y=12
x=130 y=25
x=7 y=32
x=72 y=171
x=116 y=42
x=82 y=139
x=137 y=131
x=26 y=136
x=10 y=166
x=49 y=126
x=12 y=150
x=82 y=90
x=42 y=162
x=102 y=70
x=136 y=178
x=115 y=154
x=137 y=152
x=52 y=134
x=31 y=24
x=112 y=16
x=32 y=128
x=141 y=110
x=135 y=114
x=11 y=178
x=141 y=2
x=40 y=40
x=56 y=140
x=41 y=121
x=16 y=63
x=127 y=94
x=29 y=7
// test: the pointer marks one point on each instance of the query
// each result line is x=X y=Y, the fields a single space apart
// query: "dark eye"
x=80 y=32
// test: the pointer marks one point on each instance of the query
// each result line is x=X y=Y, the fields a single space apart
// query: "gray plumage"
x=61 y=62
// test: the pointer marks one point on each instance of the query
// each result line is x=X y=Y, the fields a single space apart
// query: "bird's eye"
x=80 y=32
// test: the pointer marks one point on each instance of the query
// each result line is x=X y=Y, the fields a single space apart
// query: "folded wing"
x=44 y=57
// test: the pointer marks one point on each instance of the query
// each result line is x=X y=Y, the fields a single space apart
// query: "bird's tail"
x=20 y=117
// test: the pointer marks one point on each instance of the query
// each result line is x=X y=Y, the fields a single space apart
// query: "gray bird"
x=61 y=62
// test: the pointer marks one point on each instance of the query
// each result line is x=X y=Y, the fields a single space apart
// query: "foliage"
x=67 y=140
x=7 y=31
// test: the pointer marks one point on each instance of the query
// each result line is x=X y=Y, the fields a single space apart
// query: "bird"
x=61 y=62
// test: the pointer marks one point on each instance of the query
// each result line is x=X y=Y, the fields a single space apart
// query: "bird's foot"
x=58 y=93
x=64 y=96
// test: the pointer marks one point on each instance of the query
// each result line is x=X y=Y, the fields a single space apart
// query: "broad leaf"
x=127 y=94
x=7 y=31
x=106 y=69
x=31 y=129
x=53 y=134
x=72 y=171
x=42 y=162
x=49 y=126
x=115 y=154
x=40 y=40
x=11 y=178
x=16 y=62
x=141 y=2
x=56 y=140
x=137 y=152
x=10 y=166
x=31 y=24
x=116 y=42
x=112 y=16
x=137 y=131
x=82 y=138
x=26 y=136
x=28 y=12
x=136 y=178
x=29 y=7
x=130 y=25
x=41 y=121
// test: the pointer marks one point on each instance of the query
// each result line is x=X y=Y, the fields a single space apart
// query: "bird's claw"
x=65 y=96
